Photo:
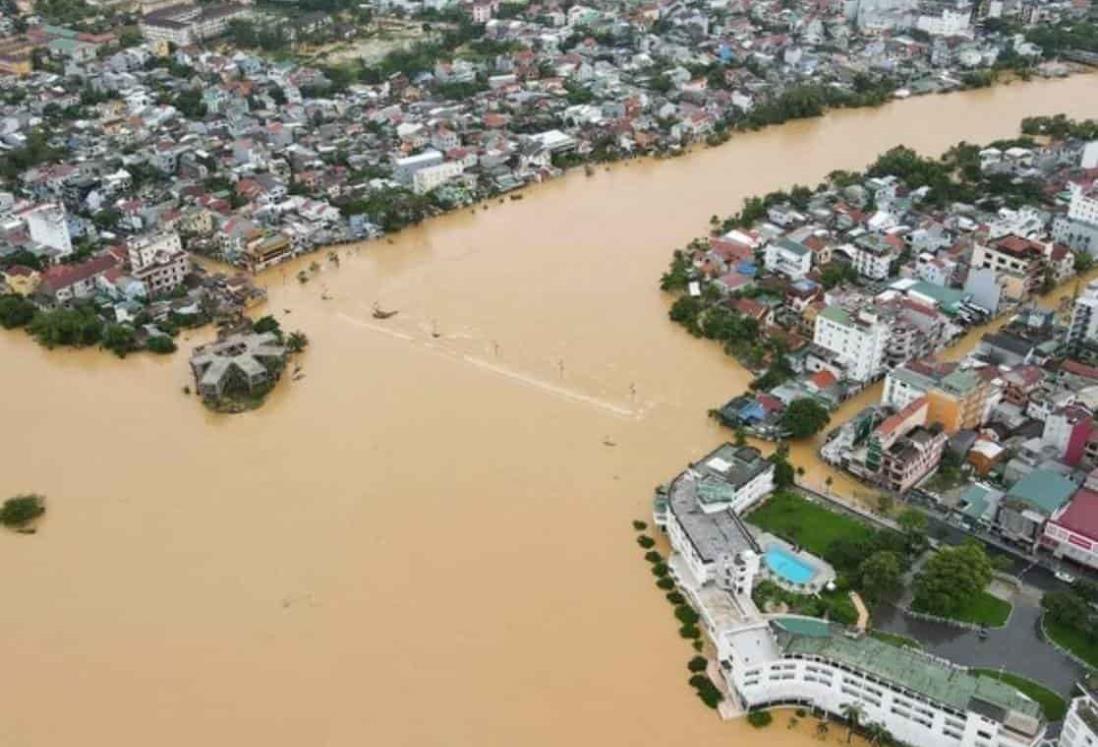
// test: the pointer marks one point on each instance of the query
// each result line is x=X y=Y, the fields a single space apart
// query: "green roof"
x=947 y=298
x=975 y=500
x=960 y=382
x=836 y=314
x=912 y=669
x=1043 y=489
x=792 y=246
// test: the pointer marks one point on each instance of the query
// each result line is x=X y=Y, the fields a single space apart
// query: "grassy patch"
x=807 y=524
x=1074 y=641
x=1053 y=706
x=896 y=640
x=982 y=609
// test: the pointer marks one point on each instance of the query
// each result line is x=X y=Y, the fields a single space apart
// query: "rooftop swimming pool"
x=788 y=566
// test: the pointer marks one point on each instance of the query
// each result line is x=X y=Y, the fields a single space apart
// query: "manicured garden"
x=811 y=526
x=980 y=608
x=1052 y=705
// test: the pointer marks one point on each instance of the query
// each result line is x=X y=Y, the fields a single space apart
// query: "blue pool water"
x=789 y=566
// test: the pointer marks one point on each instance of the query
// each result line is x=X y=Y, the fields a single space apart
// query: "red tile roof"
x=62 y=276
x=1081 y=515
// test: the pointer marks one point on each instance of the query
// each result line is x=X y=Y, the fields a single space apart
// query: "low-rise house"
x=1029 y=503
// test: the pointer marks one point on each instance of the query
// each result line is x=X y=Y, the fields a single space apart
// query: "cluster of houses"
x=858 y=281
x=255 y=160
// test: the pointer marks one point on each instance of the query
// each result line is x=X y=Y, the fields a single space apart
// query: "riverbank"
x=360 y=504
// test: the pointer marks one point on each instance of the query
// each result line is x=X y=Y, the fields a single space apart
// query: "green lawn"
x=1074 y=641
x=1053 y=706
x=982 y=609
x=896 y=640
x=807 y=524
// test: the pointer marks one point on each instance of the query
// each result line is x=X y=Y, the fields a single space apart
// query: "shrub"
x=161 y=344
x=690 y=631
x=675 y=598
x=665 y=583
x=759 y=719
x=660 y=569
x=686 y=614
x=698 y=644
x=653 y=557
x=21 y=510
x=15 y=311
x=640 y=526
x=697 y=664
x=645 y=541
x=706 y=690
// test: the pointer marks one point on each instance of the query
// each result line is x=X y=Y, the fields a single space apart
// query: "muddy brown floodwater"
x=426 y=540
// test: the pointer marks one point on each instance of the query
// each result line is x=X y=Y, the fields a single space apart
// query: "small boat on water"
x=380 y=313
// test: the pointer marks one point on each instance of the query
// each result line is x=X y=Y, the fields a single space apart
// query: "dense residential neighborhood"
x=134 y=136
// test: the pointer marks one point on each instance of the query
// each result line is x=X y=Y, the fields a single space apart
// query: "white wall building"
x=1084 y=316
x=48 y=225
x=1084 y=206
x=159 y=261
x=788 y=257
x=859 y=341
x=920 y=699
x=1081 y=724
x=426 y=179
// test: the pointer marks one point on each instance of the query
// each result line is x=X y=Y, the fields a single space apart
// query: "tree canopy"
x=804 y=417
x=951 y=577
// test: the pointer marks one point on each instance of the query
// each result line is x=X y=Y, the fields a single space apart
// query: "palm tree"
x=821 y=730
x=853 y=713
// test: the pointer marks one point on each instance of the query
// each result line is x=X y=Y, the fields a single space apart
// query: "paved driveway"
x=1017 y=647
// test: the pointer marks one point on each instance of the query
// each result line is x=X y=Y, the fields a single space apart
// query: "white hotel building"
x=781 y=660
x=1081 y=724
x=858 y=340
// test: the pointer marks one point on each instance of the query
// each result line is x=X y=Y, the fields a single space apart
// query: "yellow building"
x=958 y=401
x=22 y=280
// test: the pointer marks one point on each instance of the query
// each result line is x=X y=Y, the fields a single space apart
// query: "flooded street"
x=426 y=540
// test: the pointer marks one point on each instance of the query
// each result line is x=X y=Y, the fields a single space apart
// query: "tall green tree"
x=951 y=578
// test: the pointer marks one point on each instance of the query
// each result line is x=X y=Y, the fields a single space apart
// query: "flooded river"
x=426 y=540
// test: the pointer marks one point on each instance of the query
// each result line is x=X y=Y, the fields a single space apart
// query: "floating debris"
x=380 y=313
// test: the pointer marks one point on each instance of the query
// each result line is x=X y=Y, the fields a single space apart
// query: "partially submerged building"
x=240 y=362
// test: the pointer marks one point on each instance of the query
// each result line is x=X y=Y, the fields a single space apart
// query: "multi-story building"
x=48 y=225
x=872 y=257
x=912 y=457
x=1078 y=229
x=858 y=340
x=186 y=24
x=158 y=261
x=426 y=179
x=404 y=169
x=1072 y=531
x=1081 y=724
x=790 y=258
x=1084 y=316
x=1019 y=262
x=957 y=398
x=920 y=699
